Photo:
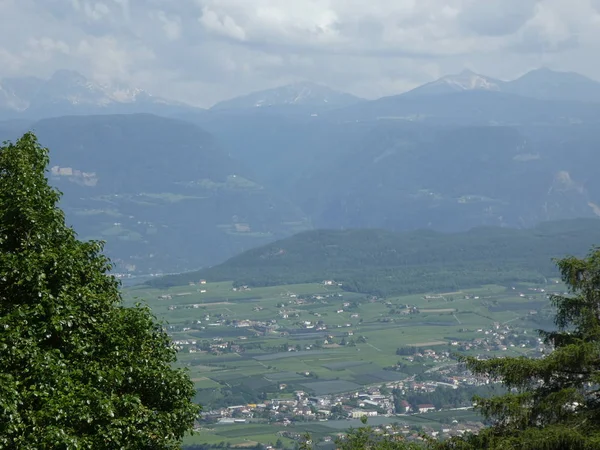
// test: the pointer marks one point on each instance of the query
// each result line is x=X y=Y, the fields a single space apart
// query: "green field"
x=321 y=340
x=238 y=435
x=245 y=434
x=192 y=315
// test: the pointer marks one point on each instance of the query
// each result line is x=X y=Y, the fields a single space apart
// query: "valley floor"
x=273 y=363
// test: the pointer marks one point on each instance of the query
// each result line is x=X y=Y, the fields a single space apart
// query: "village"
x=291 y=358
x=386 y=401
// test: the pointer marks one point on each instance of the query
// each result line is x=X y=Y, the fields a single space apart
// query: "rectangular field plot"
x=345 y=365
x=234 y=375
x=256 y=382
x=243 y=431
x=205 y=383
x=330 y=387
x=518 y=306
x=283 y=355
x=380 y=376
x=283 y=376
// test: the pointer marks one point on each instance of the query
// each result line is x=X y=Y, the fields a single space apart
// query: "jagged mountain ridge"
x=69 y=92
x=542 y=83
x=467 y=80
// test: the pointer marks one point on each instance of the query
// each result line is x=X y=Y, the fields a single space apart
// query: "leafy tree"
x=337 y=410
x=78 y=370
x=554 y=402
x=367 y=438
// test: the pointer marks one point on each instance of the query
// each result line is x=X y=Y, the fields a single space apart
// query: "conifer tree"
x=78 y=370
x=554 y=403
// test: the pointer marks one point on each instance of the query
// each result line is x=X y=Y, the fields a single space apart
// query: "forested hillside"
x=384 y=263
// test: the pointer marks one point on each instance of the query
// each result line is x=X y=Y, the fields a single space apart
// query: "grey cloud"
x=206 y=50
x=369 y=27
x=533 y=41
x=496 y=17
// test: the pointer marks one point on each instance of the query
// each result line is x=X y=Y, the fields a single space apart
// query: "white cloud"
x=170 y=24
x=221 y=24
x=206 y=50
x=496 y=17
x=48 y=45
x=96 y=10
x=108 y=61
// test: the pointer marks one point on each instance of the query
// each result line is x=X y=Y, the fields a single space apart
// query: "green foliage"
x=368 y=438
x=391 y=263
x=77 y=369
x=554 y=402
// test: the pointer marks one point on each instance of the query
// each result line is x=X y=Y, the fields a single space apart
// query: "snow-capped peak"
x=68 y=89
x=296 y=94
x=76 y=89
x=469 y=81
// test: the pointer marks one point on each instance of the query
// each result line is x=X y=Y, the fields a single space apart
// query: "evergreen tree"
x=78 y=370
x=554 y=403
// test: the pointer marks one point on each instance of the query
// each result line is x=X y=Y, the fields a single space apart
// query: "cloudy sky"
x=202 y=51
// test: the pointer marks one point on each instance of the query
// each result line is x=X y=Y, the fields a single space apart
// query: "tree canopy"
x=78 y=370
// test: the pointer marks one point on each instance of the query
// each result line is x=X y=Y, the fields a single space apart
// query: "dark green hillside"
x=383 y=263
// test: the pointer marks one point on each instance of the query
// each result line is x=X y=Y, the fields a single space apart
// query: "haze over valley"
x=175 y=190
x=300 y=225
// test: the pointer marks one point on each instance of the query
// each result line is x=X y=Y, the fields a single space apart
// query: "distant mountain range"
x=543 y=84
x=464 y=81
x=69 y=92
x=547 y=84
x=193 y=186
x=460 y=152
x=307 y=95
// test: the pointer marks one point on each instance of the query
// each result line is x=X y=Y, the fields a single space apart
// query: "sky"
x=203 y=51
